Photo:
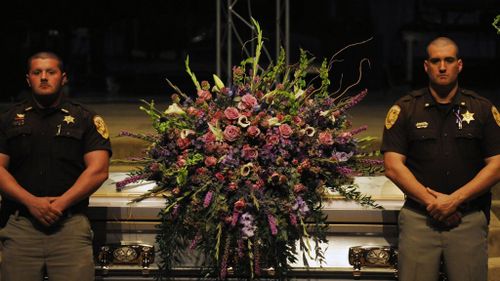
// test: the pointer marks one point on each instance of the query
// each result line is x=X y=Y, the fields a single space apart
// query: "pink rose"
x=208 y=137
x=273 y=139
x=225 y=91
x=210 y=161
x=249 y=152
x=201 y=171
x=240 y=204
x=298 y=121
x=231 y=133
x=192 y=111
x=253 y=131
x=248 y=102
x=298 y=188
x=210 y=147
x=325 y=138
x=181 y=162
x=238 y=71
x=233 y=186
x=204 y=95
x=345 y=135
x=154 y=167
x=231 y=113
x=285 y=130
x=183 y=143
x=219 y=176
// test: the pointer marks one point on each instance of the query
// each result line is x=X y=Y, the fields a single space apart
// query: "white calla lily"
x=174 y=109
x=273 y=121
x=243 y=121
x=186 y=132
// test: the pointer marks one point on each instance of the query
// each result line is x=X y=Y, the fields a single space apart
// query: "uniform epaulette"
x=474 y=95
x=80 y=105
x=17 y=107
x=418 y=93
x=406 y=98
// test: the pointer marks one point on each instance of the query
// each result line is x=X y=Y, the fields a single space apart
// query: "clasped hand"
x=45 y=210
x=444 y=208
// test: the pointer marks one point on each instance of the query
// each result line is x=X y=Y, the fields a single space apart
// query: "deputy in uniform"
x=54 y=153
x=441 y=147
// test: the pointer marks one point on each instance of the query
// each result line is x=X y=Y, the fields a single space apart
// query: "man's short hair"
x=442 y=41
x=45 y=55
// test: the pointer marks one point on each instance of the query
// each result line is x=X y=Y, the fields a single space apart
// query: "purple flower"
x=272 y=224
x=293 y=219
x=344 y=170
x=241 y=248
x=121 y=184
x=359 y=130
x=355 y=100
x=208 y=199
x=236 y=214
x=301 y=206
x=371 y=161
x=195 y=241
x=342 y=156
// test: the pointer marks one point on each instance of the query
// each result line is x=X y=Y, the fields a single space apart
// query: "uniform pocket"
x=469 y=143
x=18 y=143
x=423 y=143
x=68 y=153
x=68 y=144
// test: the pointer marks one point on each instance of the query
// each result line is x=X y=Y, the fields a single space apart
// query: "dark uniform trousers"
x=66 y=250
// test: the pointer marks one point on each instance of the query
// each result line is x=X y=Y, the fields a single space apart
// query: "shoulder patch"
x=496 y=114
x=101 y=127
x=392 y=116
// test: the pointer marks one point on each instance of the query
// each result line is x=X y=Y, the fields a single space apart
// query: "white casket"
x=362 y=241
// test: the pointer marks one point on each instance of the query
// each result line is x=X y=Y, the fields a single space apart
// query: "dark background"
x=124 y=50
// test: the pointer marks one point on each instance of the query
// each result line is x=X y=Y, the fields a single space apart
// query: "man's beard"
x=47 y=100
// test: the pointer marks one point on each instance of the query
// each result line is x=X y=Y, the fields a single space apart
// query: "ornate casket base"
x=125 y=236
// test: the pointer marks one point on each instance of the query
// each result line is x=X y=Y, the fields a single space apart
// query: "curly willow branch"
x=347 y=47
x=360 y=68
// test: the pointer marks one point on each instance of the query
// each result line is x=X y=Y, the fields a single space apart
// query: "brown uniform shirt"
x=445 y=147
x=46 y=147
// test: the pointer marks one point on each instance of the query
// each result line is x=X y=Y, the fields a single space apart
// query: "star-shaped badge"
x=467 y=117
x=69 y=119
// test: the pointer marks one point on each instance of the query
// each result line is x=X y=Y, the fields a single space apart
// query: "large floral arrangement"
x=244 y=169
